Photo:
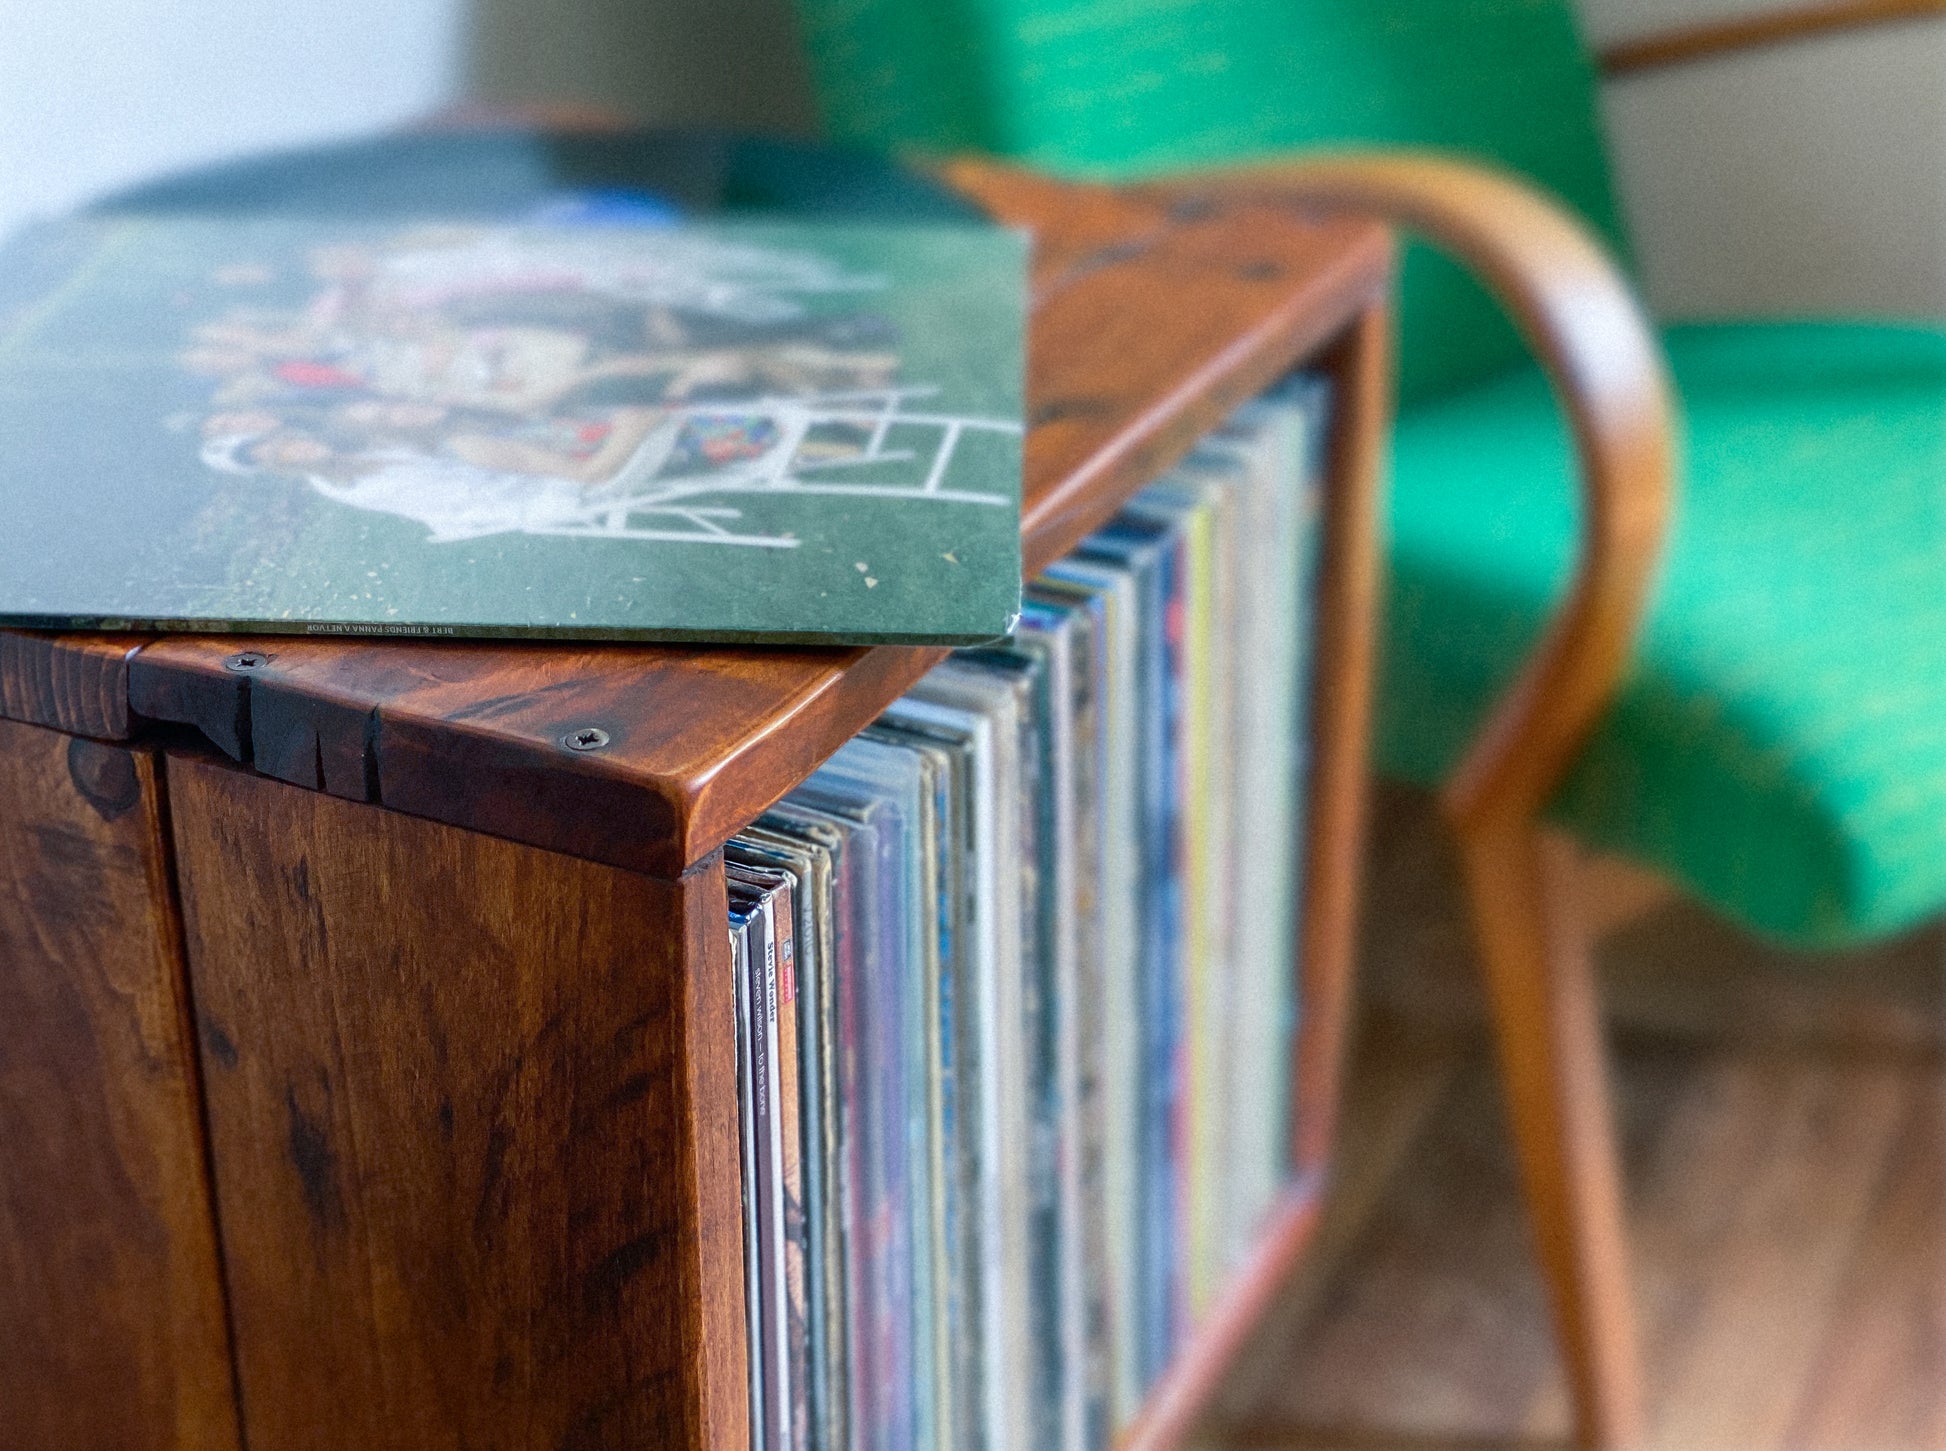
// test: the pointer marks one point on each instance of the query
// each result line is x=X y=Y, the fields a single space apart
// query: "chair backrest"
x=1123 y=88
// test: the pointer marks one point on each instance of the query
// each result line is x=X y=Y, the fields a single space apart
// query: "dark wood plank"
x=1142 y=343
x=473 y=1114
x=472 y=734
x=111 y=1317
x=73 y=683
x=1763 y=1253
x=1788 y=1213
x=1153 y=317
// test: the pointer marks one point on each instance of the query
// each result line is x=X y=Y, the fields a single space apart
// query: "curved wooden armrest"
x=1752 y=32
x=1583 y=323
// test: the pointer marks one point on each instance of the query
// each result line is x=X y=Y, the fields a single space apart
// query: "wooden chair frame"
x=1751 y=32
x=1580 y=317
x=1583 y=323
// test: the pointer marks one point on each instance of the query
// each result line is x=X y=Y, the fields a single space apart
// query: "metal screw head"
x=248 y=660
x=588 y=738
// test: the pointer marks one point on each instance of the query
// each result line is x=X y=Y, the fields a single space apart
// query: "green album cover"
x=748 y=430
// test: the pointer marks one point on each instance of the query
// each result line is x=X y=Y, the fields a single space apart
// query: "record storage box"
x=367 y=1045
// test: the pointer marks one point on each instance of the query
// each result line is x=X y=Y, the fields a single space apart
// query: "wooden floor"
x=1785 y=1156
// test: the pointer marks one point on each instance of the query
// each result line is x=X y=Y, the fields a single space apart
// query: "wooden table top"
x=1153 y=316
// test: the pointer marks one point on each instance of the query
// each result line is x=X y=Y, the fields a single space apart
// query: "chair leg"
x=1546 y=1018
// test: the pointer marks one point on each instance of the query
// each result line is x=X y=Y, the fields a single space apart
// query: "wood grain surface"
x=473 y=1112
x=112 y=1330
x=1786 y=1185
x=1153 y=316
x=74 y=683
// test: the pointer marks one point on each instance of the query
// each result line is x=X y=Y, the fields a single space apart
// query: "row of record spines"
x=869 y=1325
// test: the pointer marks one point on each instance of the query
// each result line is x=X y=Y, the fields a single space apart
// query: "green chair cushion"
x=1127 y=88
x=1780 y=747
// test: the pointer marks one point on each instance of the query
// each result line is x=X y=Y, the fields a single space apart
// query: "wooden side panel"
x=1341 y=713
x=473 y=1108
x=111 y=1307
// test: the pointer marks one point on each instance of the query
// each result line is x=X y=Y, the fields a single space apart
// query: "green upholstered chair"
x=1778 y=746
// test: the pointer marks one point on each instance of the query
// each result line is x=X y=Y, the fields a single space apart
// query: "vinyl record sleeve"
x=742 y=430
x=765 y=854
x=938 y=915
x=747 y=1143
x=1122 y=899
x=964 y=739
x=894 y=783
x=753 y=917
x=1038 y=657
x=876 y=1099
x=1080 y=620
x=995 y=708
x=772 y=893
x=825 y=973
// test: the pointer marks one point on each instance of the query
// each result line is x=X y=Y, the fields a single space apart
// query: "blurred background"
x=1776 y=214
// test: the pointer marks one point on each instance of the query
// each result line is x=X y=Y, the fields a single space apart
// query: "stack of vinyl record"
x=1017 y=988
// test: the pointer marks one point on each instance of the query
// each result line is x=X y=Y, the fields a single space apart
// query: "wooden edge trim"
x=1057 y=520
x=1751 y=32
x=710 y=1275
x=1333 y=849
x=72 y=682
x=1584 y=325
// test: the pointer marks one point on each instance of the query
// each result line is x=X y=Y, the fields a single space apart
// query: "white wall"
x=96 y=93
x=1804 y=177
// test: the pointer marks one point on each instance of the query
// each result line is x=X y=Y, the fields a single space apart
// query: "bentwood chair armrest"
x=1710 y=39
x=1581 y=318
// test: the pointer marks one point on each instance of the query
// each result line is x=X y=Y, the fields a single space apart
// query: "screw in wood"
x=588 y=738
x=248 y=660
